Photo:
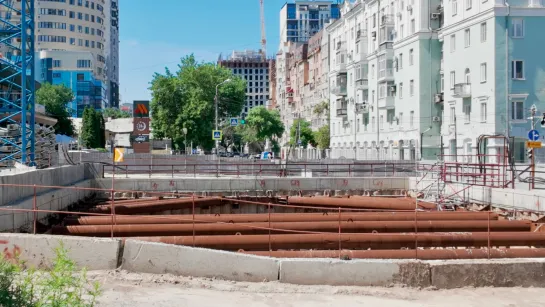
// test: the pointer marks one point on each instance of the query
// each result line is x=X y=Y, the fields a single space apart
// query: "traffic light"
x=242 y=120
x=530 y=153
x=543 y=121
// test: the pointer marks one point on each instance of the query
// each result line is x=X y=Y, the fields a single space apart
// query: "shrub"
x=59 y=286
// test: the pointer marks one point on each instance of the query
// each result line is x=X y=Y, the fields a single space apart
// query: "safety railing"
x=260 y=169
x=351 y=231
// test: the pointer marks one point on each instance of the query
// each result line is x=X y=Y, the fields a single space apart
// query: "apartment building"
x=300 y=20
x=316 y=91
x=252 y=67
x=491 y=75
x=384 y=80
x=85 y=27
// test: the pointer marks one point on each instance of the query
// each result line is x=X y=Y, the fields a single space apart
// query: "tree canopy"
x=115 y=113
x=55 y=98
x=92 y=129
x=262 y=124
x=322 y=137
x=306 y=134
x=185 y=98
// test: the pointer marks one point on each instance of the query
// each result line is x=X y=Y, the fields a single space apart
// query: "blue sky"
x=156 y=36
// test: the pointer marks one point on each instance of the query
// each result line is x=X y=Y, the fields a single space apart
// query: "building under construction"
x=253 y=67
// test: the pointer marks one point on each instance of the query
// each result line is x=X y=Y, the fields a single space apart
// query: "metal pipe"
x=287 y=227
x=362 y=202
x=425 y=254
x=160 y=206
x=280 y=217
x=355 y=241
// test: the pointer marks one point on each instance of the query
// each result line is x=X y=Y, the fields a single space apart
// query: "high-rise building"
x=80 y=38
x=300 y=20
x=250 y=66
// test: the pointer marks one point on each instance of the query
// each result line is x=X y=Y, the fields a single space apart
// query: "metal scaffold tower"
x=17 y=85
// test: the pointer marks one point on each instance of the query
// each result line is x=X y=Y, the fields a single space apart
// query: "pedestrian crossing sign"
x=234 y=122
x=216 y=135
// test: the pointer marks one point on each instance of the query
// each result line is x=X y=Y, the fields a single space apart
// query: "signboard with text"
x=141 y=125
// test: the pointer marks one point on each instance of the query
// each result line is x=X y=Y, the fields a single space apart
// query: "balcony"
x=360 y=34
x=386 y=20
x=340 y=47
x=339 y=90
x=342 y=111
x=462 y=90
x=362 y=85
x=387 y=102
x=386 y=75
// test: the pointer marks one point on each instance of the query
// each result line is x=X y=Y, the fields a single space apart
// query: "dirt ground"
x=139 y=290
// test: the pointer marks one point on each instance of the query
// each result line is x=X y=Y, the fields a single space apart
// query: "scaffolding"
x=17 y=114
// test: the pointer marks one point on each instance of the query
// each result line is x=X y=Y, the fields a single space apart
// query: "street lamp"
x=184 y=130
x=216 y=107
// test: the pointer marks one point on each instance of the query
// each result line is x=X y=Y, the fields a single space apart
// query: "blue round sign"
x=533 y=135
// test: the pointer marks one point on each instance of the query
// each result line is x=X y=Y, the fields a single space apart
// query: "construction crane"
x=263 y=34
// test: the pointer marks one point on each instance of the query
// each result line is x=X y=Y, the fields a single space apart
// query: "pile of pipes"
x=355 y=227
x=44 y=146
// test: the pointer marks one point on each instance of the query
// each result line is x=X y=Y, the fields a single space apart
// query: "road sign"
x=234 y=122
x=216 y=135
x=530 y=144
x=119 y=155
x=299 y=142
x=533 y=135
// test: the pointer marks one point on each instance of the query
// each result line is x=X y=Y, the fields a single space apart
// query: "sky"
x=156 y=36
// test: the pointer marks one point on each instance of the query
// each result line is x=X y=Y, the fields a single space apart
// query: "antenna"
x=263 y=34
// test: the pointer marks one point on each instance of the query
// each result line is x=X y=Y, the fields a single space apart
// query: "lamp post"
x=184 y=131
x=216 y=107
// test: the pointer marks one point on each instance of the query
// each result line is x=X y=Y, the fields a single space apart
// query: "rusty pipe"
x=280 y=217
x=381 y=203
x=355 y=241
x=425 y=254
x=161 y=205
x=287 y=227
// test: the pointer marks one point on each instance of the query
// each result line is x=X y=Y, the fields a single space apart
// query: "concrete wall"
x=157 y=258
x=252 y=184
x=39 y=250
x=18 y=197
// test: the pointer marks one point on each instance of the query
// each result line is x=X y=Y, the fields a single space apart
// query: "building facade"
x=75 y=70
x=88 y=28
x=300 y=20
x=252 y=67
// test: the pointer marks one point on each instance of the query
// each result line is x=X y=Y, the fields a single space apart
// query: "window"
x=72 y=28
x=467 y=76
x=84 y=63
x=517 y=69
x=483 y=111
x=483 y=32
x=400 y=119
x=468 y=4
x=517 y=28
x=411 y=87
x=400 y=63
x=413 y=26
x=454 y=7
x=80 y=77
x=358 y=126
x=483 y=72
x=401 y=31
x=72 y=41
x=80 y=16
x=452 y=79
x=517 y=110
x=452 y=43
x=467 y=112
x=442 y=83
x=411 y=119
x=467 y=38
x=72 y=14
x=411 y=57
x=56 y=63
x=453 y=114
x=401 y=90
x=381 y=123
x=373 y=124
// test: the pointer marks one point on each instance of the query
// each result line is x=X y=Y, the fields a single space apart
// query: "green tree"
x=322 y=137
x=186 y=99
x=262 y=124
x=92 y=129
x=55 y=99
x=115 y=113
x=305 y=134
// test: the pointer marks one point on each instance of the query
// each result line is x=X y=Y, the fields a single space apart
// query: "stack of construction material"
x=335 y=227
x=45 y=145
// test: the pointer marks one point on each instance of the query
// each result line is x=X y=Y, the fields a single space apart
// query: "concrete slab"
x=158 y=258
x=39 y=250
x=354 y=272
x=488 y=273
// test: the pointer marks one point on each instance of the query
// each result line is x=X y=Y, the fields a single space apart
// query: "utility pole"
x=216 y=109
x=533 y=111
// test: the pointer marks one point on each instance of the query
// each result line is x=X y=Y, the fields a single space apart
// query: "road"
x=139 y=290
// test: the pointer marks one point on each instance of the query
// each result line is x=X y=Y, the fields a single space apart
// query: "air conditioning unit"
x=392 y=88
x=374 y=34
x=436 y=119
x=409 y=8
x=438 y=97
x=435 y=16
